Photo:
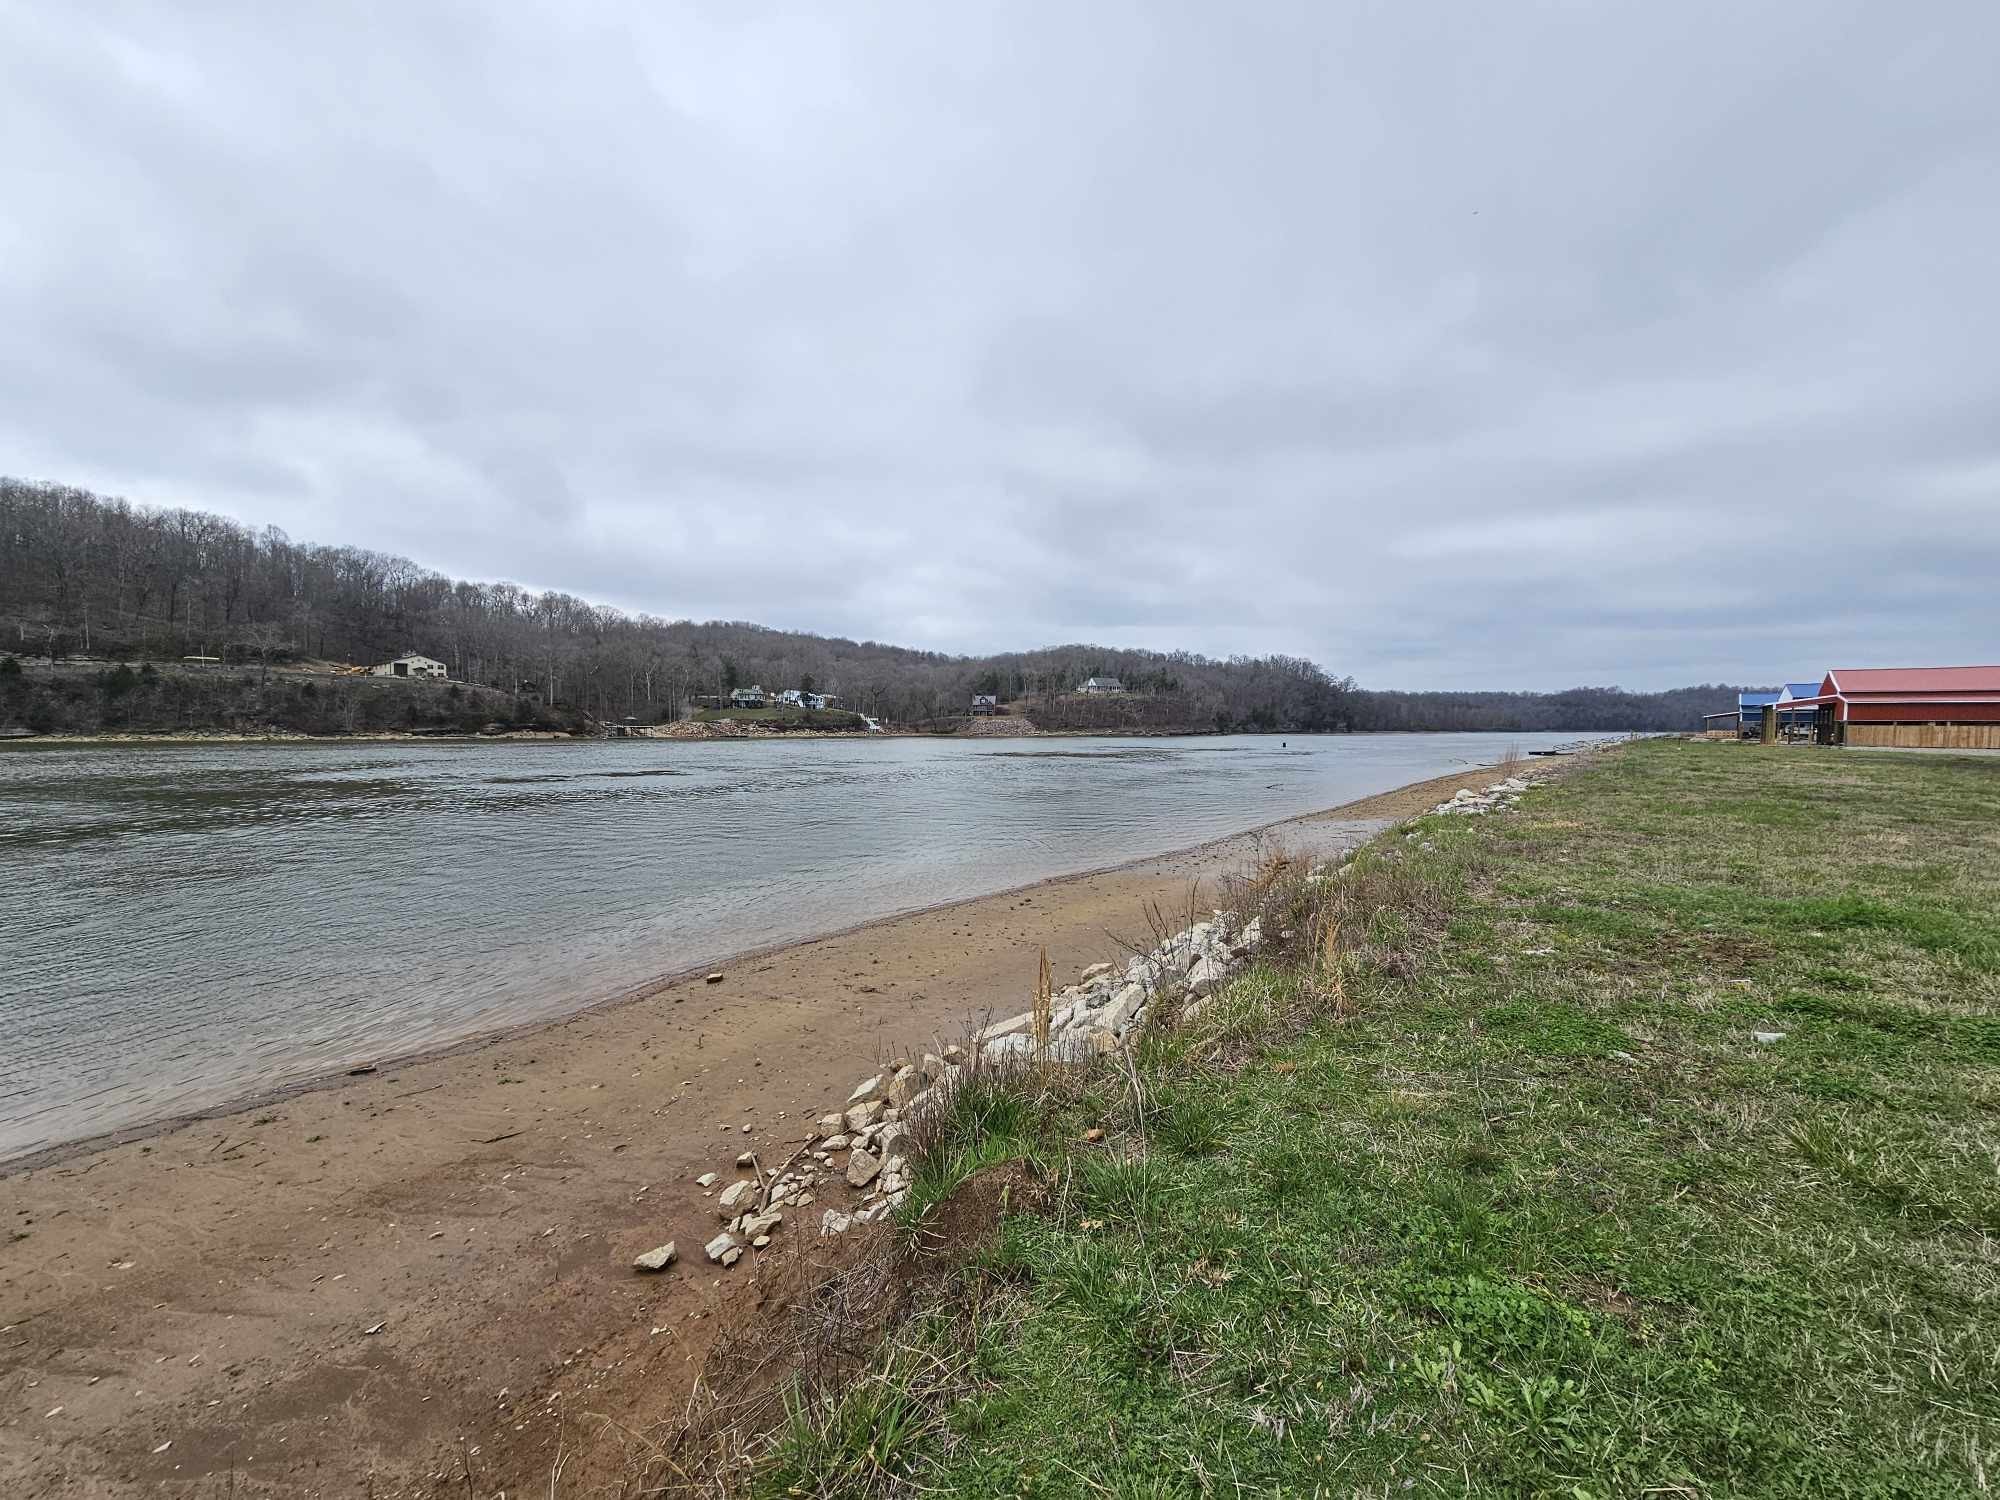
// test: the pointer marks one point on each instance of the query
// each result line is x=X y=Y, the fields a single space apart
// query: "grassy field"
x=1513 y=1200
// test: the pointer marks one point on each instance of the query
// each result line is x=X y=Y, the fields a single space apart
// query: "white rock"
x=829 y=1123
x=657 y=1259
x=868 y=1088
x=762 y=1224
x=833 y=1221
x=724 y=1250
x=905 y=1086
x=861 y=1116
x=1118 y=1014
x=738 y=1196
x=1095 y=971
x=862 y=1167
x=1006 y=1048
x=706 y=1180
x=1073 y=1047
x=1008 y=1027
x=1769 y=1038
x=1206 y=977
x=834 y=1143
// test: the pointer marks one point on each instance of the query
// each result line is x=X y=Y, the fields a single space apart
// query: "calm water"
x=181 y=926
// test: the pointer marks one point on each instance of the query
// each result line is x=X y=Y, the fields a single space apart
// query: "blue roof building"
x=1750 y=708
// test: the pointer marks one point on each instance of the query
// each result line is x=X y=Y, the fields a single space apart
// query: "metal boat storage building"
x=1911 y=708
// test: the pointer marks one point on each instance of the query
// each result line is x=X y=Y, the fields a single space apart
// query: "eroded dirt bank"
x=351 y=1291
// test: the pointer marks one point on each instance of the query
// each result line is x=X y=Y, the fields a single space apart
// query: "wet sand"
x=329 y=1294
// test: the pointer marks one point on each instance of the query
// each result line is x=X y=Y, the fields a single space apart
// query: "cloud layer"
x=1451 y=346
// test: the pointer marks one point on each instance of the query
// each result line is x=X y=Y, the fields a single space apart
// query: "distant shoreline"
x=750 y=735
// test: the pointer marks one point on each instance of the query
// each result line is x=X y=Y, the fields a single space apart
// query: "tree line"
x=87 y=575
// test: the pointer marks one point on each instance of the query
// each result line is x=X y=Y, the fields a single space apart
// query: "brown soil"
x=367 y=1289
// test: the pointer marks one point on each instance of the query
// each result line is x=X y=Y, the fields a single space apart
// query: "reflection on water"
x=184 y=925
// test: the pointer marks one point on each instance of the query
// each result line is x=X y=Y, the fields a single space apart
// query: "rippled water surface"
x=181 y=926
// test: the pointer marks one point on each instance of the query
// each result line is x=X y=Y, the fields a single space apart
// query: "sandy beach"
x=351 y=1289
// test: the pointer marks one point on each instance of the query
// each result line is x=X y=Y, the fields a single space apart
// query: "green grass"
x=1528 y=1222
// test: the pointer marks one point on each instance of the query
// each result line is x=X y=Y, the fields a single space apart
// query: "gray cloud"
x=1520 y=345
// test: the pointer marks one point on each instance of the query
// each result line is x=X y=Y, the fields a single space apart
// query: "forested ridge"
x=82 y=575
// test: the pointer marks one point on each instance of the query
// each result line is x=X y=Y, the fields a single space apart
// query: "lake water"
x=182 y=926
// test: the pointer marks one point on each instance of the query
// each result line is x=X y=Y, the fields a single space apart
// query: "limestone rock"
x=1095 y=971
x=868 y=1088
x=1206 y=977
x=1014 y=1047
x=861 y=1116
x=724 y=1250
x=907 y=1084
x=833 y=1221
x=657 y=1259
x=1119 y=1013
x=706 y=1180
x=862 y=1167
x=738 y=1196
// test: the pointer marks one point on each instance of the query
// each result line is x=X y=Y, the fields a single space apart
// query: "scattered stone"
x=906 y=1086
x=738 y=1196
x=1005 y=1048
x=1206 y=977
x=724 y=1250
x=1095 y=971
x=833 y=1221
x=762 y=1224
x=706 y=1180
x=861 y=1116
x=715 y=978
x=1013 y=1024
x=828 y=1124
x=870 y=1088
x=656 y=1260
x=1123 y=1007
x=747 y=1159
x=1768 y=1038
x=834 y=1143
x=862 y=1167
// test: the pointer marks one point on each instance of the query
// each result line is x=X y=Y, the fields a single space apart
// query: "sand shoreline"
x=332 y=1286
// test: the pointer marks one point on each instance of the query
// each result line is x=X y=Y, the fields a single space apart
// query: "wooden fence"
x=1926 y=736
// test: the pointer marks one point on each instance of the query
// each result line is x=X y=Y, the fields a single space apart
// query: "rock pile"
x=1107 y=1005
x=1496 y=798
x=863 y=1142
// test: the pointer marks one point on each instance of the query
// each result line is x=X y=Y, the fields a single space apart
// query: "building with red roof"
x=1925 y=708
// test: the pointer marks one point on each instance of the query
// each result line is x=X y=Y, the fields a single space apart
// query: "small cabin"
x=750 y=697
x=1098 y=686
x=985 y=703
x=412 y=665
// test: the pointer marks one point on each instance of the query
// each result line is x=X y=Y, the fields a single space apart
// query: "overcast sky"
x=1451 y=344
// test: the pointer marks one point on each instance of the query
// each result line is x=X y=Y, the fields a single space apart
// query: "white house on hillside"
x=1097 y=685
x=411 y=665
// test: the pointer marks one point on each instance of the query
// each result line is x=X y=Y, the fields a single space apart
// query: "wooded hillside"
x=81 y=574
